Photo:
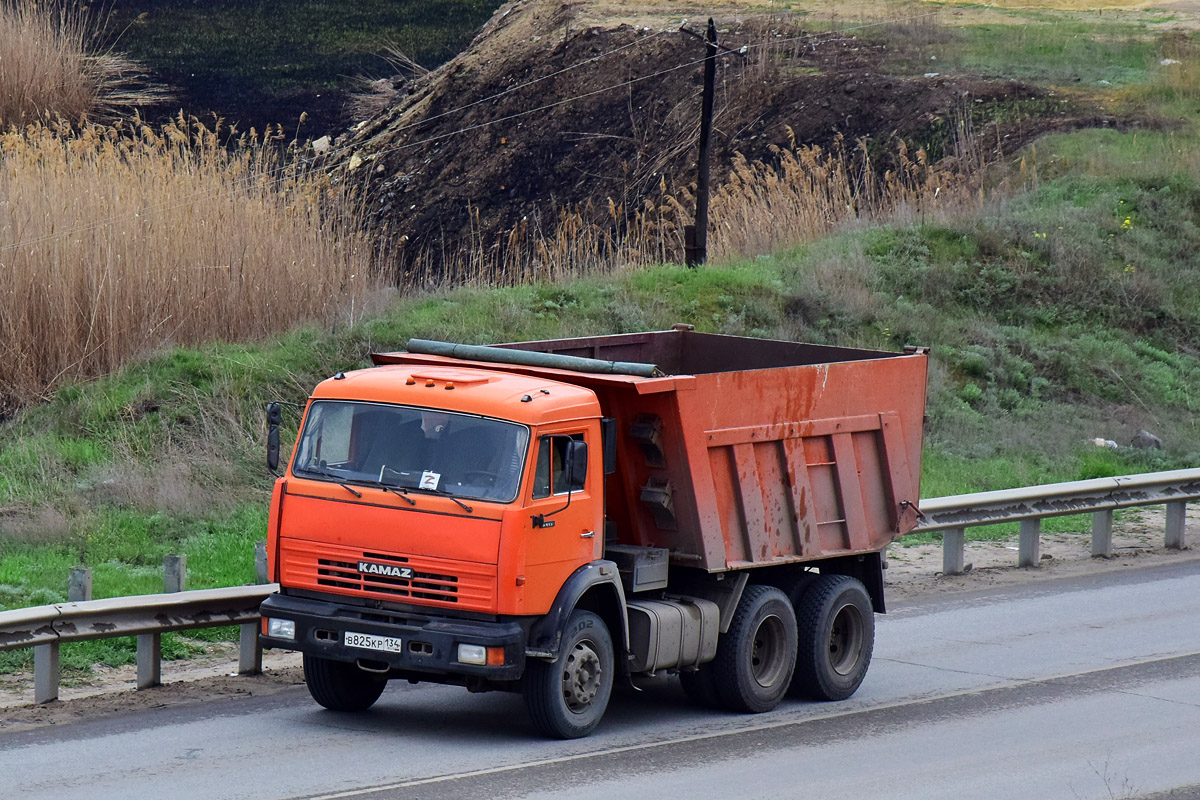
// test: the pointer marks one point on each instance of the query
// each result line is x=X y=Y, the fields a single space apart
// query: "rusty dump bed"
x=747 y=452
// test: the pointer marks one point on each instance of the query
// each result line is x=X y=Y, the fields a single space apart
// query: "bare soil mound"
x=538 y=115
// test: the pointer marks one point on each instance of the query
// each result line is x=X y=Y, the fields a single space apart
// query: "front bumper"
x=430 y=643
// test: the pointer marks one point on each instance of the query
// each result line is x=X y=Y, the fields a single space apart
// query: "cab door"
x=565 y=515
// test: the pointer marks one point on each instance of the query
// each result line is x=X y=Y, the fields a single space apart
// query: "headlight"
x=281 y=628
x=472 y=654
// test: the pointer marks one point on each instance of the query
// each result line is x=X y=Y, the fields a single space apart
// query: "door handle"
x=587 y=534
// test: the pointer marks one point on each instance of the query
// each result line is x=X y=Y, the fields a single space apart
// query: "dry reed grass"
x=115 y=241
x=806 y=192
x=376 y=95
x=49 y=68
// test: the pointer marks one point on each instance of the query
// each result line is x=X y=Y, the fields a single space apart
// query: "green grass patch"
x=1066 y=50
x=1059 y=53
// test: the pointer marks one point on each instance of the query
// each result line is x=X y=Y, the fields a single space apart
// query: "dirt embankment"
x=543 y=113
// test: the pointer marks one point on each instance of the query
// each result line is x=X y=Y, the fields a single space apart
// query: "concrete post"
x=1030 y=552
x=149 y=660
x=260 y=562
x=1176 y=514
x=45 y=672
x=175 y=573
x=952 y=550
x=249 y=649
x=1102 y=524
x=79 y=585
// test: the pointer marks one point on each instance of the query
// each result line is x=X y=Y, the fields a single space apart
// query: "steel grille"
x=423 y=585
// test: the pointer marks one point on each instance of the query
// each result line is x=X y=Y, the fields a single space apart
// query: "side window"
x=549 y=475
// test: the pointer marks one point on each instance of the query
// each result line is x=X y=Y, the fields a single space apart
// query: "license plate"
x=367 y=641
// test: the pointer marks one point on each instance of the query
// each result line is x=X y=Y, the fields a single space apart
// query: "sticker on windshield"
x=429 y=480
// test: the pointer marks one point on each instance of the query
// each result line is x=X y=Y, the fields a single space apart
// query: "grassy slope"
x=1068 y=312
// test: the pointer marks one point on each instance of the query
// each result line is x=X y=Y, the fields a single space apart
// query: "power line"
x=270 y=174
x=622 y=85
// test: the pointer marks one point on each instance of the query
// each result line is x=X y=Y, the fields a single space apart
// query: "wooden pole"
x=697 y=246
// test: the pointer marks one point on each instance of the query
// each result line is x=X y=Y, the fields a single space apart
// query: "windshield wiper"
x=399 y=491
x=338 y=479
x=395 y=489
x=444 y=493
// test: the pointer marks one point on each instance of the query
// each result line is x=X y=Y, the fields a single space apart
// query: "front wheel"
x=837 y=635
x=567 y=697
x=340 y=686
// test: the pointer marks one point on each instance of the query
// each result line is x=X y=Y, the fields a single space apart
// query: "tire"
x=567 y=697
x=797 y=585
x=340 y=686
x=837 y=634
x=756 y=657
x=701 y=687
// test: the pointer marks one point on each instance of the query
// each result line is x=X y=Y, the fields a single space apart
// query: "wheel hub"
x=845 y=639
x=766 y=658
x=581 y=676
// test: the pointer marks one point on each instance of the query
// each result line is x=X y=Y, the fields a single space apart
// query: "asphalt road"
x=1084 y=688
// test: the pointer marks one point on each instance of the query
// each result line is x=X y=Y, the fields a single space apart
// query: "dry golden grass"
x=49 y=68
x=804 y=193
x=115 y=241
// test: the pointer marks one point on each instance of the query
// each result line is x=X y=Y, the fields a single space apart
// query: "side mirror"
x=274 y=419
x=575 y=466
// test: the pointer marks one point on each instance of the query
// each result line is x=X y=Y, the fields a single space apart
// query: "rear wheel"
x=837 y=635
x=567 y=697
x=755 y=658
x=340 y=686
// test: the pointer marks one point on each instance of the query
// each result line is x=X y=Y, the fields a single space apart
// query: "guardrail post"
x=149 y=660
x=79 y=585
x=260 y=562
x=1030 y=552
x=175 y=573
x=952 y=550
x=45 y=672
x=1176 y=514
x=1102 y=524
x=249 y=649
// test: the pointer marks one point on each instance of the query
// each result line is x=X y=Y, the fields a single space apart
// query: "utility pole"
x=696 y=236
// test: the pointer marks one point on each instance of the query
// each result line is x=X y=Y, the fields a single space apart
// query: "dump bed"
x=740 y=452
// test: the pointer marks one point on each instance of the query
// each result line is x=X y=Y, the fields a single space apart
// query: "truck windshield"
x=413 y=449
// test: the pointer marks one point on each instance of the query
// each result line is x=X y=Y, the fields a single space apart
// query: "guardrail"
x=45 y=628
x=1029 y=506
x=149 y=616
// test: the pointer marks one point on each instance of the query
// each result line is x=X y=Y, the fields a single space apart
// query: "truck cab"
x=428 y=519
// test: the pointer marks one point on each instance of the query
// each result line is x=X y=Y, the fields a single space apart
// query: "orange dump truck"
x=550 y=517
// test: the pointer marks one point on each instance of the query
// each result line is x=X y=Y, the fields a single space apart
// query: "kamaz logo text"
x=388 y=570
